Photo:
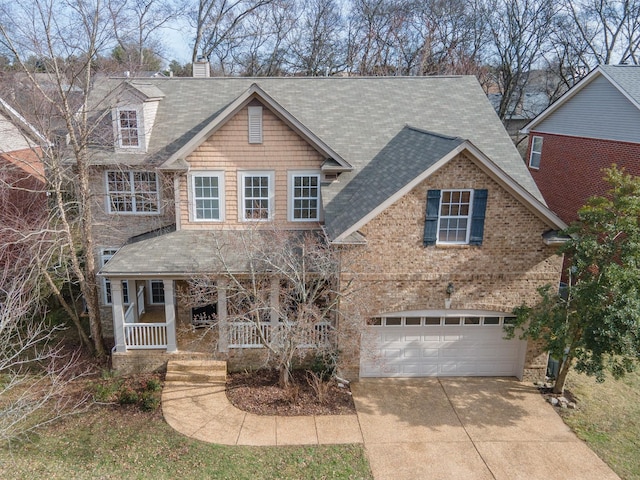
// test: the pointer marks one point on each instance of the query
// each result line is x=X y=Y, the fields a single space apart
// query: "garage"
x=440 y=343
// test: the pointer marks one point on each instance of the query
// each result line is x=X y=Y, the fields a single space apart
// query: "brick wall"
x=228 y=149
x=396 y=272
x=571 y=169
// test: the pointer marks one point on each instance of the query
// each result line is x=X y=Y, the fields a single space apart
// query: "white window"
x=304 y=196
x=106 y=255
x=128 y=128
x=207 y=193
x=454 y=221
x=156 y=292
x=536 y=152
x=132 y=192
x=255 y=124
x=256 y=195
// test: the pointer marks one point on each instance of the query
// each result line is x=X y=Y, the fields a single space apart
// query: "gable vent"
x=255 y=124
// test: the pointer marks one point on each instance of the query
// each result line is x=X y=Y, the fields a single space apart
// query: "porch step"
x=196 y=371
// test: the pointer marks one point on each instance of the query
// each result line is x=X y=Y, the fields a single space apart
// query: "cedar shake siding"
x=398 y=273
x=228 y=150
x=571 y=169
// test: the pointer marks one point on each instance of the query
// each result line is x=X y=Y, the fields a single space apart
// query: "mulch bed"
x=258 y=392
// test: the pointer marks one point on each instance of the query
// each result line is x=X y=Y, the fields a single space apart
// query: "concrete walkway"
x=196 y=405
x=448 y=428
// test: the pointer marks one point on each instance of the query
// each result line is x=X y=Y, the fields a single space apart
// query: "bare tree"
x=218 y=21
x=608 y=30
x=67 y=39
x=136 y=26
x=286 y=293
x=265 y=42
x=519 y=30
x=318 y=45
x=33 y=366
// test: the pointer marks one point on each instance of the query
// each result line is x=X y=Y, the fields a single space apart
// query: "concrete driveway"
x=468 y=428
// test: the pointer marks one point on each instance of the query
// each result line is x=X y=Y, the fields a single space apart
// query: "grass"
x=608 y=419
x=117 y=443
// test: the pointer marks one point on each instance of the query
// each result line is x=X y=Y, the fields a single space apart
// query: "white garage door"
x=469 y=344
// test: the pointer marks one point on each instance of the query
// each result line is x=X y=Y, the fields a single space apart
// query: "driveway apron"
x=468 y=429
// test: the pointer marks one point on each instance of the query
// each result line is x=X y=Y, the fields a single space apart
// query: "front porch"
x=148 y=335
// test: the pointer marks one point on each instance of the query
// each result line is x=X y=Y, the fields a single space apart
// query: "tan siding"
x=229 y=150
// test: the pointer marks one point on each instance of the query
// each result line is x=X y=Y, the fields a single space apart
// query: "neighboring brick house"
x=592 y=126
x=23 y=199
x=414 y=180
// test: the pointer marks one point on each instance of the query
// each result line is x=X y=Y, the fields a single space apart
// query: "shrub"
x=154 y=385
x=128 y=396
x=149 y=401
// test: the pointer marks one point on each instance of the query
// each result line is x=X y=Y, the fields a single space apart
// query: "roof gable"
x=623 y=79
x=333 y=160
x=409 y=159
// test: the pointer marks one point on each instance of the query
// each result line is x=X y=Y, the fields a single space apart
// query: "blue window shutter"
x=477 y=216
x=431 y=221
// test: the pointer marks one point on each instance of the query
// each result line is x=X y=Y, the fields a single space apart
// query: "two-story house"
x=594 y=125
x=414 y=180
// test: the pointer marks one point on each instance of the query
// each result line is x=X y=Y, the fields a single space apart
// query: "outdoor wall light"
x=450 y=289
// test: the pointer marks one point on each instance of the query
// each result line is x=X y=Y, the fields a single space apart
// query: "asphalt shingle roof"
x=627 y=77
x=364 y=120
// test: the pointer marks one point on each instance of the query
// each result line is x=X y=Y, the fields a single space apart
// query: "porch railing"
x=245 y=334
x=139 y=336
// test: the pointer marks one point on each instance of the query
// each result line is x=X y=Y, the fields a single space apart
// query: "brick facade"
x=398 y=273
x=571 y=169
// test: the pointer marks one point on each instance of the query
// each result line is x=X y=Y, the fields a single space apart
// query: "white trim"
x=572 y=92
x=132 y=192
x=139 y=111
x=105 y=255
x=468 y=217
x=270 y=174
x=537 y=152
x=254 y=124
x=150 y=290
x=291 y=190
x=192 y=195
x=487 y=166
x=254 y=91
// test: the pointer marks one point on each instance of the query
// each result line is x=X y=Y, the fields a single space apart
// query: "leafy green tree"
x=594 y=326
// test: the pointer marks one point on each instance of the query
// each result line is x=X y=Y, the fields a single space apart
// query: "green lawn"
x=112 y=443
x=608 y=419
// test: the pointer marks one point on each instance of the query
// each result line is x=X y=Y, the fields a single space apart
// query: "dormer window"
x=128 y=128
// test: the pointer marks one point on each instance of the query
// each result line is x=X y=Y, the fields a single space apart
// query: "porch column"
x=117 y=309
x=170 y=315
x=223 y=330
x=274 y=300
x=133 y=299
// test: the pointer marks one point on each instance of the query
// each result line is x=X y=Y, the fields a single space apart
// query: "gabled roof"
x=335 y=161
x=410 y=158
x=625 y=78
x=409 y=154
x=21 y=134
x=360 y=124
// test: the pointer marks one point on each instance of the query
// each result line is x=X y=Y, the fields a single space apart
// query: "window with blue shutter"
x=477 y=216
x=455 y=217
x=431 y=221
